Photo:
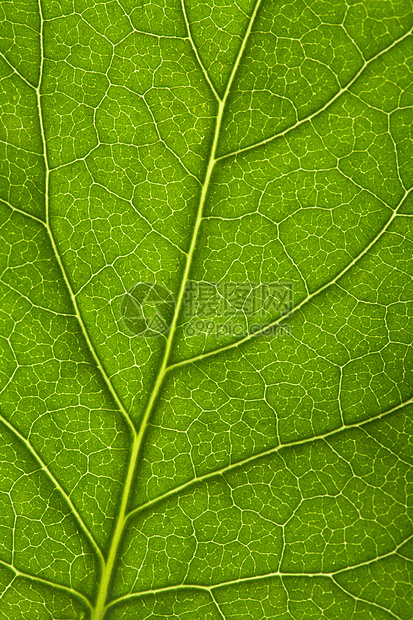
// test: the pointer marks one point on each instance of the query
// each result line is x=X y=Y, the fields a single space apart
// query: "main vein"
x=100 y=608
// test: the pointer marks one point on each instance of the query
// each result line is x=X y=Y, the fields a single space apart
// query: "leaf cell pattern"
x=186 y=477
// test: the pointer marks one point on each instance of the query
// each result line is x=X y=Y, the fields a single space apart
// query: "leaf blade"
x=256 y=488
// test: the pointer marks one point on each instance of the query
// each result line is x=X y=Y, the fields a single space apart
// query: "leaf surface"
x=188 y=472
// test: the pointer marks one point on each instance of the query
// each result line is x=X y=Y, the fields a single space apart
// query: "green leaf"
x=206 y=274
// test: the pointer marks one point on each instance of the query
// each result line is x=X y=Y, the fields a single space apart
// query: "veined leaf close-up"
x=206 y=275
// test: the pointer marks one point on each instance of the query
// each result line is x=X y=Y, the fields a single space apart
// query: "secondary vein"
x=62 y=267
x=198 y=57
x=58 y=486
x=269 y=452
x=305 y=301
x=46 y=582
x=346 y=88
x=281 y=574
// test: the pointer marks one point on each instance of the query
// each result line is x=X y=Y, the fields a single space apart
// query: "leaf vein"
x=323 y=108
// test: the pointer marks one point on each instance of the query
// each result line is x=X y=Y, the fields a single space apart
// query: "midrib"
x=100 y=607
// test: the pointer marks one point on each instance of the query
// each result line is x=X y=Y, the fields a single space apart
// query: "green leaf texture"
x=193 y=476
